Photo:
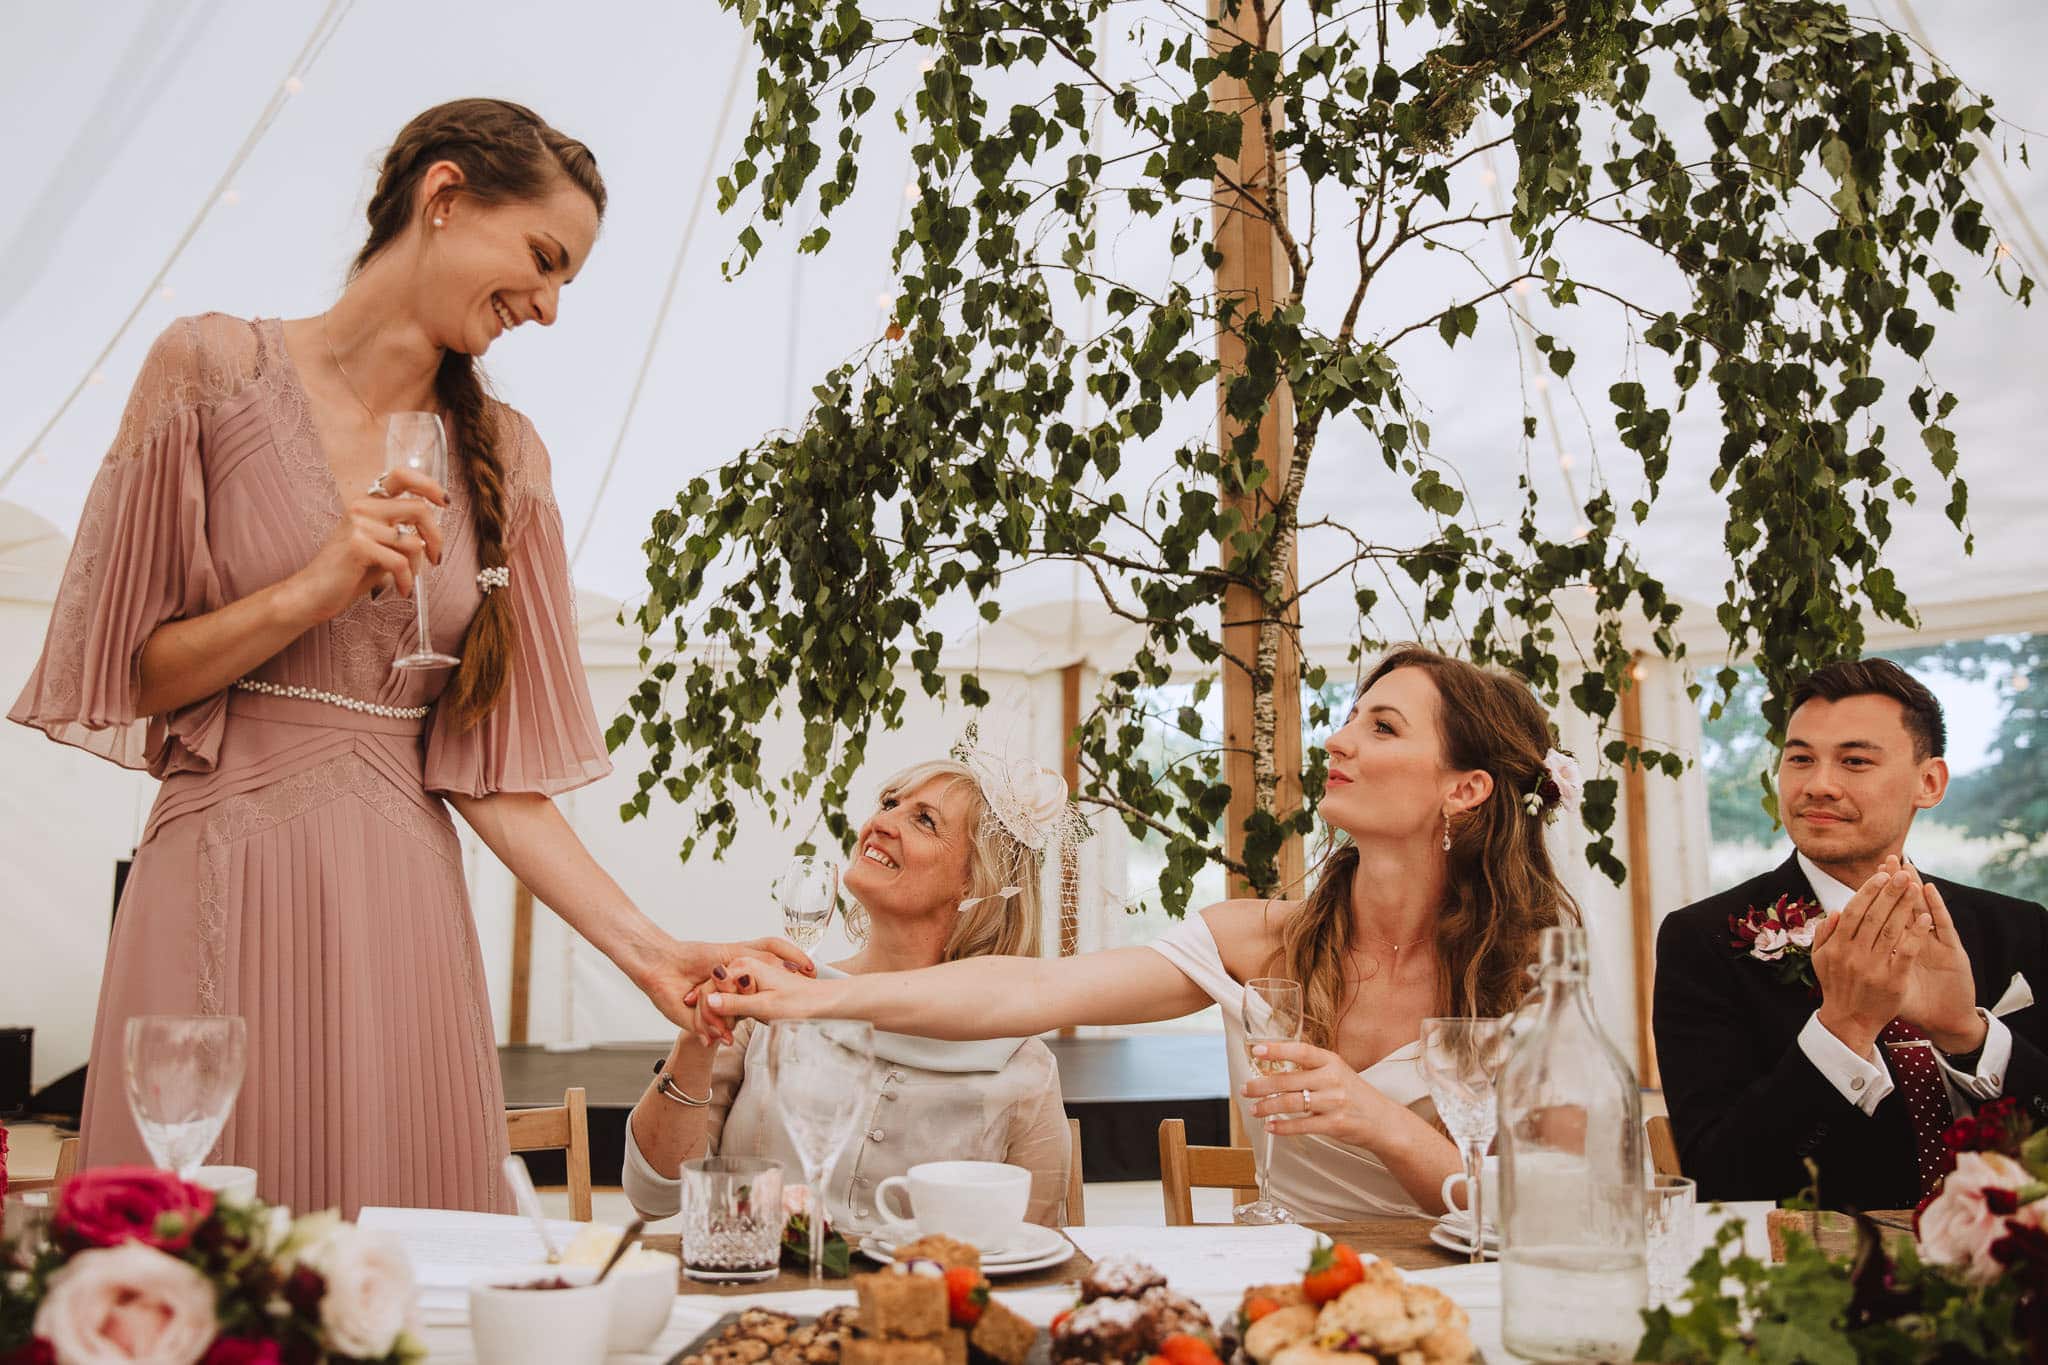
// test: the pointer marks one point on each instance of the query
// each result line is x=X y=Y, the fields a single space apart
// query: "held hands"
x=1339 y=1102
x=367 y=551
x=676 y=982
x=754 y=985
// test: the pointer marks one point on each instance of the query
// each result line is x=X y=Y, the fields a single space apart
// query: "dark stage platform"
x=1120 y=1089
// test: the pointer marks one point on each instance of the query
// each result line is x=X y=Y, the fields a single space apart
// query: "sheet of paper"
x=1198 y=1260
x=450 y=1249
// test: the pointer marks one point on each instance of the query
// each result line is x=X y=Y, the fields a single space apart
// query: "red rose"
x=37 y=1352
x=2004 y=1203
x=115 y=1204
x=243 y=1351
x=3 y=1161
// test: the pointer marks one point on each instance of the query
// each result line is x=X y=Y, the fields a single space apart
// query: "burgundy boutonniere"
x=1781 y=934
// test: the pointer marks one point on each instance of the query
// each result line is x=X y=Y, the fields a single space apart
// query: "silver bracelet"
x=669 y=1088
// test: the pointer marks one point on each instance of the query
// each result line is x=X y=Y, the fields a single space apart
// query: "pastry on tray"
x=1127 y=1314
x=1350 y=1311
x=948 y=1252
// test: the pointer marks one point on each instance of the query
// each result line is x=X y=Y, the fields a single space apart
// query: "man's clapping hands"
x=1892 y=952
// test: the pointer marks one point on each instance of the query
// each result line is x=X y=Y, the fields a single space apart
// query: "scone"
x=1279 y=1329
x=945 y=1250
x=1379 y=1316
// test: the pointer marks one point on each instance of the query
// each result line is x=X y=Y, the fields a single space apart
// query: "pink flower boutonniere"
x=1780 y=933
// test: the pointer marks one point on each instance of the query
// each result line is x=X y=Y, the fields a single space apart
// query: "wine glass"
x=416 y=440
x=1272 y=1014
x=822 y=1073
x=1460 y=1058
x=184 y=1071
x=807 y=890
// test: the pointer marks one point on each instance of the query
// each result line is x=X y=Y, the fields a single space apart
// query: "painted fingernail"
x=718 y=972
x=714 y=1002
x=1258 y=1049
x=745 y=982
x=690 y=999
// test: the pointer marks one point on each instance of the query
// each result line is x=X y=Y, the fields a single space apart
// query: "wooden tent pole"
x=522 y=963
x=1253 y=267
x=1636 y=807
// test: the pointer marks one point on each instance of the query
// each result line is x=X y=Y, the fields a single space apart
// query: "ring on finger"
x=376 y=488
x=1308 y=1103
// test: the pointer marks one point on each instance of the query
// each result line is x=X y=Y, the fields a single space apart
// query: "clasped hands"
x=1893 y=953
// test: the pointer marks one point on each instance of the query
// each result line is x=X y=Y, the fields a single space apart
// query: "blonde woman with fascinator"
x=948 y=869
x=231 y=620
x=1430 y=904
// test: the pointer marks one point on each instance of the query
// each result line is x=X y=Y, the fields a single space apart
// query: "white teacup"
x=1459 y=1210
x=230 y=1184
x=978 y=1202
x=643 y=1293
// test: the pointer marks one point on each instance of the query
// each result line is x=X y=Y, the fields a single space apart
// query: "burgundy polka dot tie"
x=1925 y=1092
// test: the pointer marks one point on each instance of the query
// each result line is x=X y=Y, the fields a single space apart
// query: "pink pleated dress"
x=300 y=867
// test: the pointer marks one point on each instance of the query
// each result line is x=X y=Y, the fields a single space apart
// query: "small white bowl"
x=644 y=1293
x=510 y=1325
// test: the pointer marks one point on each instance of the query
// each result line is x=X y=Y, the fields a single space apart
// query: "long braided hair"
x=507 y=153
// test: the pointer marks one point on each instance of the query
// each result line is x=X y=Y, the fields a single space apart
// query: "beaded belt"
x=296 y=693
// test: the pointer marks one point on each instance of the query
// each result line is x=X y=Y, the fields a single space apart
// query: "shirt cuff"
x=1860 y=1081
x=1987 y=1081
x=652 y=1194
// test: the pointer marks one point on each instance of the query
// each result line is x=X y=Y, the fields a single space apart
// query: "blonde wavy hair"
x=1006 y=926
x=1500 y=890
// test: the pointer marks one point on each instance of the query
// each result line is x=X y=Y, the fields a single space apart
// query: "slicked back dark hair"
x=1879 y=678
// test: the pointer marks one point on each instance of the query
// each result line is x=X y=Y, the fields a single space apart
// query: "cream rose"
x=1770 y=943
x=1802 y=937
x=125 y=1304
x=1958 y=1228
x=370 y=1294
x=1571 y=783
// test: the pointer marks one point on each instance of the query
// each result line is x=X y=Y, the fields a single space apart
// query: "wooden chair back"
x=1184 y=1169
x=1077 y=1194
x=564 y=1128
x=1663 y=1147
x=67 y=1166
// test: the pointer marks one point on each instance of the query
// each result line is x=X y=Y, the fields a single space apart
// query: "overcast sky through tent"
x=117 y=120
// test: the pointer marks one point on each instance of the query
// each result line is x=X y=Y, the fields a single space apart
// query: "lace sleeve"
x=141 y=558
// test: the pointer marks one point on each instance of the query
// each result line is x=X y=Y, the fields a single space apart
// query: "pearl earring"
x=1447 y=831
x=440 y=222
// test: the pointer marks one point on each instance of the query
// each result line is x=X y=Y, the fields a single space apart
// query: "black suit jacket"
x=1748 y=1107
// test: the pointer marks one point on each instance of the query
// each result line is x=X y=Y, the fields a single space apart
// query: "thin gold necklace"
x=358 y=393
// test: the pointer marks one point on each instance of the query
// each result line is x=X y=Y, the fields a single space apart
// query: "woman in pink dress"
x=236 y=595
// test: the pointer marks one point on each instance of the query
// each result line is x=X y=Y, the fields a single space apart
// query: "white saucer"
x=1036 y=1248
x=1457 y=1236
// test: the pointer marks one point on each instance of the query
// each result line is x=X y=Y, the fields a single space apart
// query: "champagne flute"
x=184 y=1071
x=1460 y=1058
x=417 y=441
x=807 y=891
x=822 y=1073
x=1272 y=1014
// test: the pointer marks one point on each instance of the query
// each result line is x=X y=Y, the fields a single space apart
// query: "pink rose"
x=1770 y=944
x=114 y=1204
x=1801 y=935
x=3 y=1161
x=126 y=1304
x=369 y=1295
x=1958 y=1228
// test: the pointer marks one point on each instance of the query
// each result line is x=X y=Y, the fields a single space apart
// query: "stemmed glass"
x=822 y=1074
x=417 y=441
x=1460 y=1058
x=184 y=1071
x=1272 y=1014
x=807 y=890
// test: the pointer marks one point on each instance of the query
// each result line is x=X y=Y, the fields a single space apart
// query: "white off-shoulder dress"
x=1317 y=1178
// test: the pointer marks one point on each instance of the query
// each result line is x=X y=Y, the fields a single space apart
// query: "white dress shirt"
x=1863 y=1081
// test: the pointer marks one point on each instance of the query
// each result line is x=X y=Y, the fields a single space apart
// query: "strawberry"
x=1183 y=1348
x=966 y=1295
x=1257 y=1307
x=1333 y=1269
x=1057 y=1319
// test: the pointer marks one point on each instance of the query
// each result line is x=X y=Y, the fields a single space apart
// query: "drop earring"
x=1447 y=831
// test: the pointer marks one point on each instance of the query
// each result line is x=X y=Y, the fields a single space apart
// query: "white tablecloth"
x=1476 y=1288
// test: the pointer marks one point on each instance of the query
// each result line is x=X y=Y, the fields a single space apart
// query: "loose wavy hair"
x=1501 y=890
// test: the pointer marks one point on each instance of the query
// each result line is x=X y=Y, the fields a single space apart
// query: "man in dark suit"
x=1920 y=1005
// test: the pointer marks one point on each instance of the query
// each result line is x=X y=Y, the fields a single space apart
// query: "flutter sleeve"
x=543 y=735
x=140 y=559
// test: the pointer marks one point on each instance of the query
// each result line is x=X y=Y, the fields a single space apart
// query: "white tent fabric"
x=116 y=122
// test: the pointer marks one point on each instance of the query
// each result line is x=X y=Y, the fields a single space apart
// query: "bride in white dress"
x=1430 y=904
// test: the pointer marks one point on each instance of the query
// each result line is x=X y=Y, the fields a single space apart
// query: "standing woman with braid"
x=235 y=598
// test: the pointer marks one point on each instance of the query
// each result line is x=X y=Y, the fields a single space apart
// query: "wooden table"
x=1402 y=1241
